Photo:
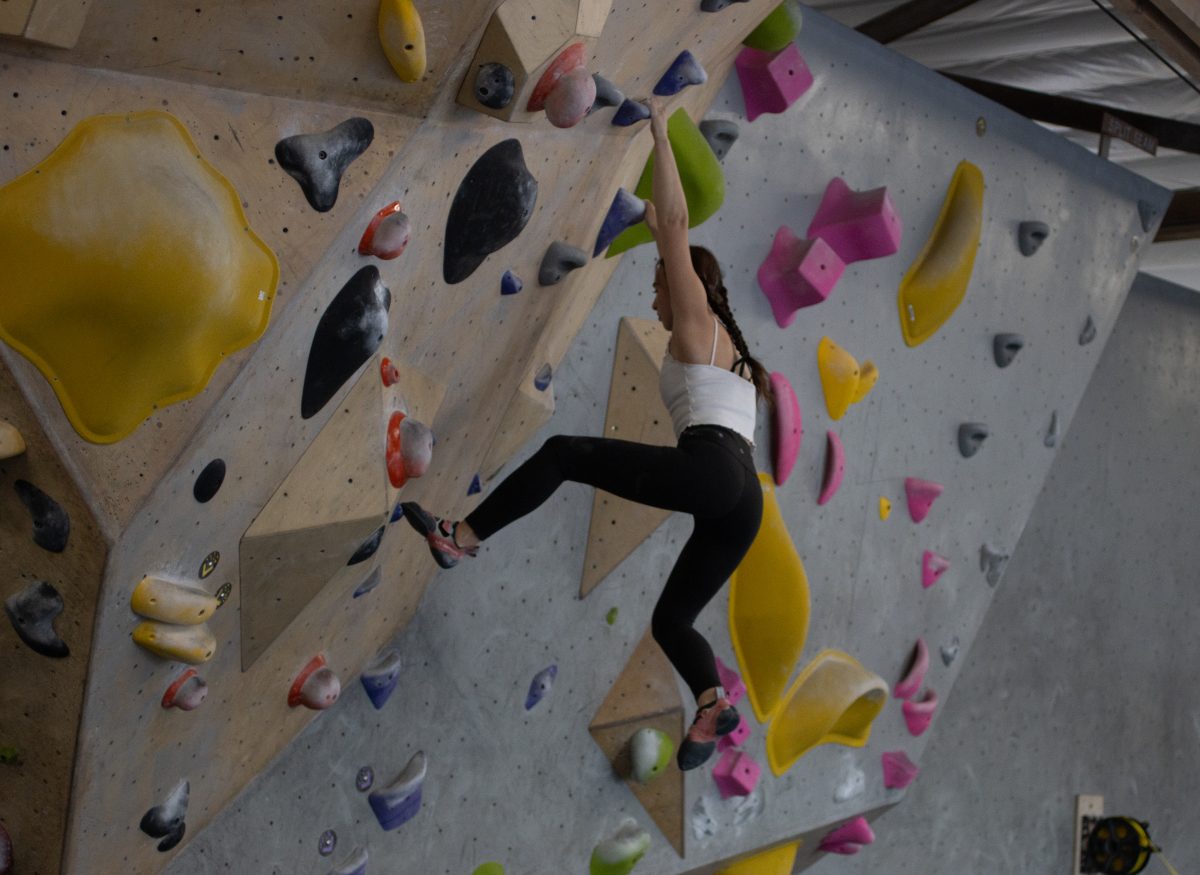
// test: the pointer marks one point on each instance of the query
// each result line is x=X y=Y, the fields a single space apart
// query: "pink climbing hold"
x=835 y=467
x=571 y=99
x=849 y=838
x=736 y=774
x=186 y=693
x=933 y=566
x=731 y=682
x=787 y=428
x=898 y=770
x=914 y=676
x=736 y=738
x=797 y=273
x=918 y=713
x=856 y=224
x=387 y=234
x=316 y=687
x=772 y=81
x=921 y=496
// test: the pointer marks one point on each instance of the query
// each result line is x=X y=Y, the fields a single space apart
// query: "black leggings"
x=710 y=475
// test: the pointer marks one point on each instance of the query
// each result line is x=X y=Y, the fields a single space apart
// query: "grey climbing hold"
x=626 y=209
x=630 y=112
x=1148 y=215
x=166 y=821
x=950 y=652
x=721 y=134
x=971 y=436
x=51 y=525
x=1088 y=333
x=560 y=259
x=354 y=864
x=1005 y=348
x=317 y=161
x=991 y=563
x=326 y=843
x=607 y=94
x=1051 y=437
x=365 y=779
x=32 y=612
x=717 y=5
x=494 y=85
x=685 y=70
x=1031 y=235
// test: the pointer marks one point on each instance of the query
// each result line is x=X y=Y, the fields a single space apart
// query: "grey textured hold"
x=494 y=86
x=1051 y=437
x=720 y=134
x=32 y=612
x=560 y=259
x=717 y=5
x=317 y=161
x=950 y=651
x=970 y=438
x=1088 y=334
x=1005 y=348
x=991 y=563
x=607 y=94
x=51 y=524
x=1031 y=236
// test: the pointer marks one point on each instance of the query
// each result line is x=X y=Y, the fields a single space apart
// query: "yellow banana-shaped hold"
x=403 y=38
x=190 y=644
x=158 y=599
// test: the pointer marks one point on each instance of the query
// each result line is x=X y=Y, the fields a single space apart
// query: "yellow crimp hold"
x=170 y=602
x=885 y=508
x=768 y=608
x=190 y=644
x=834 y=700
x=11 y=442
x=129 y=271
x=402 y=38
x=842 y=380
x=936 y=282
x=777 y=861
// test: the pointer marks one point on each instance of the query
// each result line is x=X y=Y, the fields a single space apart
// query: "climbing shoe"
x=711 y=722
x=439 y=534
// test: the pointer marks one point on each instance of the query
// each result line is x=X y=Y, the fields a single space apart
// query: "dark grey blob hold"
x=1088 y=334
x=494 y=85
x=166 y=821
x=970 y=438
x=1031 y=236
x=720 y=134
x=607 y=94
x=950 y=652
x=51 y=525
x=317 y=161
x=32 y=612
x=368 y=547
x=1005 y=348
x=717 y=5
x=491 y=207
x=1051 y=437
x=209 y=481
x=991 y=563
x=560 y=259
x=350 y=330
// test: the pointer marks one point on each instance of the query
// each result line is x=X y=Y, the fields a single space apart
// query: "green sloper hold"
x=619 y=854
x=699 y=170
x=489 y=869
x=777 y=29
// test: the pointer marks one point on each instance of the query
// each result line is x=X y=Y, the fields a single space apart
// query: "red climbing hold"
x=387 y=234
x=569 y=59
x=395 y=462
x=388 y=372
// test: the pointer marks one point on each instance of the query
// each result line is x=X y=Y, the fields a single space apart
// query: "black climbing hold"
x=607 y=94
x=1031 y=235
x=166 y=821
x=491 y=207
x=350 y=330
x=494 y=85
x=51 y=525
x=970 y=438
x=1088 y=333
x=717 y=5
x=629 y=113
x=720 y=134
x=1005 y=348
x=368 y=547
x=209 y=481
x=317 y=161
x=560 y=259
x=32 y=612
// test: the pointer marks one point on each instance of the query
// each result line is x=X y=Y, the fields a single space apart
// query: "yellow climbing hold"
x=403 y=38
x=834 y=700
x=170 y=602
x=842 y=380
x=937 y=280
x=776 y=861
x=11 y=442
x=190 y=644
x=129 y=271
x=768 y=608
x=885 y=508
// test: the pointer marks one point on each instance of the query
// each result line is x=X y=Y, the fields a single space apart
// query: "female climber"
x=710 y=384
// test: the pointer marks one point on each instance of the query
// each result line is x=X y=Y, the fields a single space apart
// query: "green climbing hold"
x=618 y=854
x=9 y=756
x=651 y=751
x=611 y=616
x=489 y=869
x=777 y=29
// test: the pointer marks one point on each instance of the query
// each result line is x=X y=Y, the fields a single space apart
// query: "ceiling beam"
x=1176 y=31
x=1083 y=116
x=1182 y=220
x=909 y=17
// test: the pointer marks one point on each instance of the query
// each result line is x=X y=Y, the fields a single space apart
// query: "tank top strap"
x=712 y=358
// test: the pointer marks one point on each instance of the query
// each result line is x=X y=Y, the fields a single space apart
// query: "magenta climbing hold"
x=787 y=429
x=731 y=682
x=933 y=566
x=571 y=99
x=187 y=692
x=736 y=738
x=914 y=675
x=625 y=211
x=316 y=687
x=857 y=225
x=918 y=713
x=772 y=81
x=736 y=773
x=835 y=467
x=387 y=234
x=797 y=273
x=540 y=686
x=848 y=838
x=400 y=801
x=685 y=70
x=898 y=770
x=921 y=496
x=379 y=678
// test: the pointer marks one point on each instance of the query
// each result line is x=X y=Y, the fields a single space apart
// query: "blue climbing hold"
x=626 y=210
x=541 y=380
x=379 y=678
x=540 y=686
x=397 y=512
x=399 y=803
x=684 y=71
x=476 y=487
x=630 y=113
x=510 y=283
x=373 y=580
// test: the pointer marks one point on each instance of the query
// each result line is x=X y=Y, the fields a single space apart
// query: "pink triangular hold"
x=771 y=81
x=787 y=428
x=797 y=273
x=918 y=713
x=898 y=770
x=857 y=225
x=921 y=495
x=933 y=566
x=731 y=682
x=849 y=837
x=835 y=467
x=915 y=675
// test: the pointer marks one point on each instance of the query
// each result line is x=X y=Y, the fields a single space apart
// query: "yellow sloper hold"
x=190 y=644
x=777 y=861
x=170 y=602
x=11 y=441
x=868 y=375
x=885 y=508
x=768 y=608
x=403 y=38
x=129 y=271
x=842 y=380
x=834 y=700
x=937 y=280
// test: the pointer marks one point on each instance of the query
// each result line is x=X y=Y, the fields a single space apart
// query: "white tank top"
x=707 y=395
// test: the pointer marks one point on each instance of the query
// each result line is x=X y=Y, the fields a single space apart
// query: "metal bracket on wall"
x=1088 y=810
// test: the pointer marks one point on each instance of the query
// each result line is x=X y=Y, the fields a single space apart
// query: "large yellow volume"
x=777 y=861
x=768 y=608
x=403 y=38
x=937 y=280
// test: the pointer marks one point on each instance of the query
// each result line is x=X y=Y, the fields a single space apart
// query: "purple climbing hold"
x=630 y=112
x=398 y=803
x=540 y=686
x=32 y=612
x=476 y=487
x=510 y=283
x=368 y=547
x=626 y=210
x=326 y=843
x=51 y=525
x=372 y=580
x=317 y=161
x=379 y=678
x=541 y=380
x=365 y=779
x=685 y=70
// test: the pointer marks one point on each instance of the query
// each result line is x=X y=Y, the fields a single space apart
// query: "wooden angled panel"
x=14 y=15
x=57 y=22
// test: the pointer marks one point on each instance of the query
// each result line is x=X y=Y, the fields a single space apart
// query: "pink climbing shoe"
x=711 y=722
x=439 y=533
